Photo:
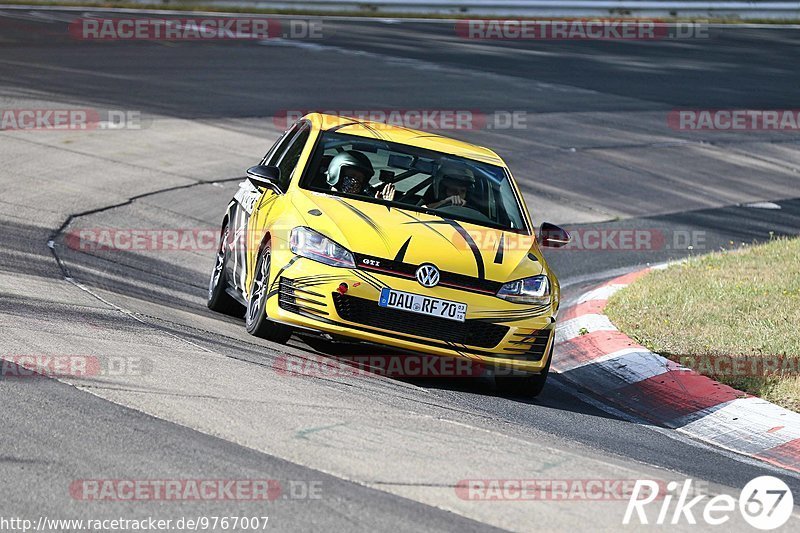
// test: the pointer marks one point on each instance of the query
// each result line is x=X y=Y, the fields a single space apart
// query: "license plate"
x=424 y=305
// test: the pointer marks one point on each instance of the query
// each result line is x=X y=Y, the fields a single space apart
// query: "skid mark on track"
x=304 y=433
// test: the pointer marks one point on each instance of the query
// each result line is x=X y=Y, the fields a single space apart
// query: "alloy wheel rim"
x=258 y=292
x=219 y=264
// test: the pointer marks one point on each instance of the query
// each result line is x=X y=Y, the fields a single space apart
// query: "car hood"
x=376 y=230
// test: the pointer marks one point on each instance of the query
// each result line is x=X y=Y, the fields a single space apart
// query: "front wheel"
x=218 y=298
x=529 y=386
x=256 y=320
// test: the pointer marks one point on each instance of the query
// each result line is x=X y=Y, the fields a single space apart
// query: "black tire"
x=529 y=386
x=255 y=317
x=218 y=298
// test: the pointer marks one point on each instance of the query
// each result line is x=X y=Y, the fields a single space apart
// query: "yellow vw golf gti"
x=365 y=232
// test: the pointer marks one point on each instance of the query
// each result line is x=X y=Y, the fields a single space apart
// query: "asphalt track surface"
x=596 y=153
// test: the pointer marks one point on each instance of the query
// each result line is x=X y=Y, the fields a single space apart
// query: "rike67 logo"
x=765 y=503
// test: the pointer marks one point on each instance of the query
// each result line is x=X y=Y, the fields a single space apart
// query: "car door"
x=246 y=200
x=286 y=159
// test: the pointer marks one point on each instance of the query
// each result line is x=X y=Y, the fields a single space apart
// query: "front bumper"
x=303 y=293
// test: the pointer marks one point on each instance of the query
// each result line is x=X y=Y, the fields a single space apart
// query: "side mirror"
x=552 y=236
x=264 y=176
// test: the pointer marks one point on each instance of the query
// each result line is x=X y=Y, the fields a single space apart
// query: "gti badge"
x=428 y=275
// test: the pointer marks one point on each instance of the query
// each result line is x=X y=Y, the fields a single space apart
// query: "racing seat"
x=321 y=179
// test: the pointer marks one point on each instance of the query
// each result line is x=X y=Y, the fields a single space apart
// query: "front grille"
x=399 y=269
x=528 y=346
x=299 y=300
x=369 y=313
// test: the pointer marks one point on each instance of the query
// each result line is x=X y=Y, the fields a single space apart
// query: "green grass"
x=737 y=303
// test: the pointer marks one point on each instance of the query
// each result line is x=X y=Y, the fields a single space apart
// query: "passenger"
x=450 y=186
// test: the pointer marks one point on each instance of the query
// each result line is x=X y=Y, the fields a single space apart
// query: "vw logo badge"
x=427 y=275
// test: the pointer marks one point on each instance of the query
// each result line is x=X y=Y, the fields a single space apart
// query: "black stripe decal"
x=315 y=281
x=503 y=320
x=377 y=282
x=455 y=347
x=443 y=222
x=340 y=126
x=363 y=216
x=278 y=275
x=505 y=317
x=401 y=253
x=367 y=280
x=498 y=257
x=512 y=317
x=429 y=226
x=374 y=131
x=472 y=246
x=266 y=200
x=515 y=311
x=313 y=277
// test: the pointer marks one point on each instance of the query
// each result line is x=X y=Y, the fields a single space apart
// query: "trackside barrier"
x=532 y=8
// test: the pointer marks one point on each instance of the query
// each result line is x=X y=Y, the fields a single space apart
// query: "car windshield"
x=413 y=178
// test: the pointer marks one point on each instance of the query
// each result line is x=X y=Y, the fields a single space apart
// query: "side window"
x=280 y=146
x=288 y=161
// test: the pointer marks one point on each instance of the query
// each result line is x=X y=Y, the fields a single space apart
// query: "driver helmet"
x=452 y=172
x=349 y=158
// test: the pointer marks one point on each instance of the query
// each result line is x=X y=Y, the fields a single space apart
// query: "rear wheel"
x=218 y=298
x=529 y=386
x=256 y=320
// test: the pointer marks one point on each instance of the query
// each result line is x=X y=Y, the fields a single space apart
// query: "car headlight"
x=535 y=290
x=306 y=242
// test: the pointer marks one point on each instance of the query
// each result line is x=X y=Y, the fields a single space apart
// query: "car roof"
x=403 y=135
